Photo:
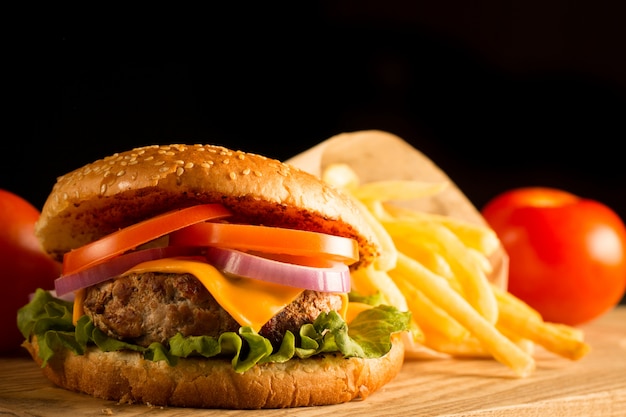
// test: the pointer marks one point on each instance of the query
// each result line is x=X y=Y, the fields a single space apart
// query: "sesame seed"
x=232 y=175
x=120 y=173
x=159 y=163
x=246 y=171
x=258 y=173
x=206 y=164
x=180 y=171
x=164 y=169
x=189 y=165
x=179 y=162
x=226 y=161
x=103 y=189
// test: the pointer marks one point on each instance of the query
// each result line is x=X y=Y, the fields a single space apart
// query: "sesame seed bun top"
x=127 y=187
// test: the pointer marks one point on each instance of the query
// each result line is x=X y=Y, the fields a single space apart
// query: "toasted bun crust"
x=210 y=383
x=127 y=187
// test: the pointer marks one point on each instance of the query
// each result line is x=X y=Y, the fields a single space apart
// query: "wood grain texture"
x=596 y=386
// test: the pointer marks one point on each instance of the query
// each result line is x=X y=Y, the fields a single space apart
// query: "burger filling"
x=136 y=308
x=142 y=308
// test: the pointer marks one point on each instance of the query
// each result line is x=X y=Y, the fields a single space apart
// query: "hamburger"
x=198 y=276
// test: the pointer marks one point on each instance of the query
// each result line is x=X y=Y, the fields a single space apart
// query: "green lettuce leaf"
x=373 y=300
x=369 y=336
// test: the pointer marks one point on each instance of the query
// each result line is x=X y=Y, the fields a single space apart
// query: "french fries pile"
x=438 y=267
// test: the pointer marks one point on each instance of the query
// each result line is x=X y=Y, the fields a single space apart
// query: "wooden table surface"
x=594 y=386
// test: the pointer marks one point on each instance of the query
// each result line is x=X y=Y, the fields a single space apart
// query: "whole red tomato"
x=567 y=254
x=23 y=264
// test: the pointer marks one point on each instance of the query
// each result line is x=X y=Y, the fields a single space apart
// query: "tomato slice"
x=130 y=237
x=265 y=239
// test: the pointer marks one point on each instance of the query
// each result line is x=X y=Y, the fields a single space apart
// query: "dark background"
x=498 y=94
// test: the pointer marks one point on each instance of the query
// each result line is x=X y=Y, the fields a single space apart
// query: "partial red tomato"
x=23 y=264
x=567 y=254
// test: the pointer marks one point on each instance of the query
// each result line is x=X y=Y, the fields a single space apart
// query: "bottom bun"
x=212 y=383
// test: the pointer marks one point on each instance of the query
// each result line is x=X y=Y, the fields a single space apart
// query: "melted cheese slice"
x=250 y=302
x=354 y=309
x=78 y=310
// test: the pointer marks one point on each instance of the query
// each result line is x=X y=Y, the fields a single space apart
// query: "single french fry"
x=439 y=291
x=471 y=277
x=519 y=318
x=568 y=331
x=550 y=336
x=481 y=238
x=506 y=299
x=431 y=317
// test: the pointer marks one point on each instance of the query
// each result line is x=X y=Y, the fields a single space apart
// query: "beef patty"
x=152 y=307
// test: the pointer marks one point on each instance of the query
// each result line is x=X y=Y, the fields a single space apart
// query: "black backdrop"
x=498 y=94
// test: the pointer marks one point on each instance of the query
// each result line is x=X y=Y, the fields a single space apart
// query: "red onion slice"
x=118 y=265
x=335 y=278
